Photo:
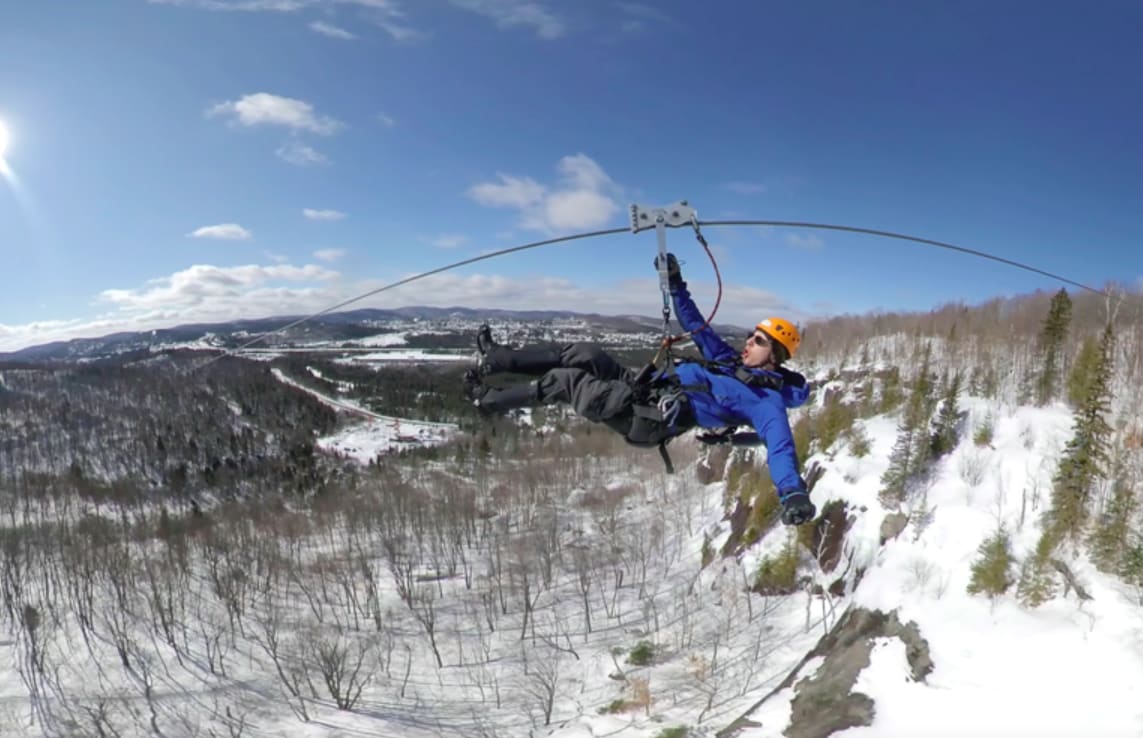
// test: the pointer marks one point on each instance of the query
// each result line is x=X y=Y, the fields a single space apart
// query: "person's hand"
x=797 y=508
x=674 y=276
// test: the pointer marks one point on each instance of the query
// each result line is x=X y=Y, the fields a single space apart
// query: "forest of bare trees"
x=176 y=558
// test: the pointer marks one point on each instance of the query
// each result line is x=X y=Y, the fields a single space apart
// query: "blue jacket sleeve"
x=690 y=318
x=795 y=389
x=773 y=427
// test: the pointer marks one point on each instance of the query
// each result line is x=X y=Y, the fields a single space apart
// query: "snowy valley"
x=424 y=572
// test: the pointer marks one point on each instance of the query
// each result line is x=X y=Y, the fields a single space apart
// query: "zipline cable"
x=903 y=237
x=615 y=231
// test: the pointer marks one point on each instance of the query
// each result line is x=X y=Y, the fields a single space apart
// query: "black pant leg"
x=595 y=399
x=593 y=359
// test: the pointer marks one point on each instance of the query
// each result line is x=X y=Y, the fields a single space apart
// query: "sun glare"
x=3 y=139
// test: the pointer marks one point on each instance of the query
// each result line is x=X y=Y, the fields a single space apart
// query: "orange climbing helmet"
x=782 y=331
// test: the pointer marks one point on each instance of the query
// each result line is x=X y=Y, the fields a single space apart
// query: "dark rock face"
x=824 y=702
x=829 y=534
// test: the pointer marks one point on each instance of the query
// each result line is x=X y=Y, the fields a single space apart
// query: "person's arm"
x=773 y=427
x=691 y=319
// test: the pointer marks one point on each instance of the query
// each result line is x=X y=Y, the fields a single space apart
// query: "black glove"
x=797 y=508
x=674 y=276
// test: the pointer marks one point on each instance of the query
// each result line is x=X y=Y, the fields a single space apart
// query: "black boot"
x=484 y=344
x=496 y=400
x=484 y=340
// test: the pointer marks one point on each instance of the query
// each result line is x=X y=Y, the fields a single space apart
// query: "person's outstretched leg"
x=593 y=359
x=536 y=360
x=597 y=400
x=493 y=358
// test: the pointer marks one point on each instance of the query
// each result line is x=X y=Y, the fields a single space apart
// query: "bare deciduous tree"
x=267 y=634
x=424 y=610
x=342 y=664
x=542 y=679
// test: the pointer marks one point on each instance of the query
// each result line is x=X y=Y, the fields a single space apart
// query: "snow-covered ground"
x=361 y=354
x=373 y=435
x=529 y=630
x=1068 y=668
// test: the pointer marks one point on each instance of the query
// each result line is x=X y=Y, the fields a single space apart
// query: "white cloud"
x=745 y=188
x=399 y=31
x=223 y=231
x=570 y=209
x=515 y=13
x=313 y=214
x=583 y=196
x=740 y=305
x=637 y=16
x=203 y=286
x=386 y=120
x=204 y=293
x=278 y=6
x=265 y=109
x=331 y=31
x=448 y=240
x=330 y=255
x=807 y=241
x=389 y=17
x=509 y=192
x=386 y=14
x=201 y=293
x=297 y=153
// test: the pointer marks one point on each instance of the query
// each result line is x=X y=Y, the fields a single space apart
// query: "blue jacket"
x=731 y=402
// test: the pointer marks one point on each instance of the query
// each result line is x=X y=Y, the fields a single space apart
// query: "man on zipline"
x=727 y=388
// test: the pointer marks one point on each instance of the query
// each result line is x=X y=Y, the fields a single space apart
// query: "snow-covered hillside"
x=567 y=588
x=1069 y=668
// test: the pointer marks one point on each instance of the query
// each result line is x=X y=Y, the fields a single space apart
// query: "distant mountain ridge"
x=340 y=326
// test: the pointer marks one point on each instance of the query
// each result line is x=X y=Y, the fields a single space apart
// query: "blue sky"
x=180 y=160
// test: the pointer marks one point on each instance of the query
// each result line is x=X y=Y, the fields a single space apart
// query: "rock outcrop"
x=824 y=702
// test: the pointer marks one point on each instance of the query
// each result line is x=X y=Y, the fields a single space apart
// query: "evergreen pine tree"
x=922 y=402
x=1109 y=540
x=894 y=482
x=1131 y=568
x=1085 y=457
x=1083 y=370
x=990 y=571
x=890 y=391
x=911 y=450
x=945 y=435
x=1052 y=336
x=1036 y=585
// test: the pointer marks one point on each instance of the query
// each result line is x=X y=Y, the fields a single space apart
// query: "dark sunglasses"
x=759 y=339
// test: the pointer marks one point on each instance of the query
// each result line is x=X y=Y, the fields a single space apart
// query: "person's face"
x=758 y=351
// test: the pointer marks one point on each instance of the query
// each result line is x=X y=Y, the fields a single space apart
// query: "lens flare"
x=3 y=139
